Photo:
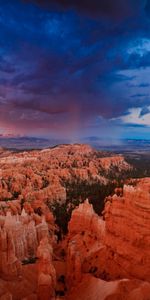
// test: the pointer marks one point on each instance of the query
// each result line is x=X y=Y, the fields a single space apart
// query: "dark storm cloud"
x=46 y=107
x=147 y=7
x=76 y=58
x=139 y=96
x=6 y=66
x=116 y=9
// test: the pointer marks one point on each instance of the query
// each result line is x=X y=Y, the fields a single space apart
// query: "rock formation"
x=74 y=264
x=86 y=232
x=103 y=257
x=84 y=219
x=32 y=175
x=46 y=271
x=115 y=248
x=19 y=238
x=91 y=288
x=127 y=232
x=10 y=266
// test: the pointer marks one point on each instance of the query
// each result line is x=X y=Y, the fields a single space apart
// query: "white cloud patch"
x=134 y=116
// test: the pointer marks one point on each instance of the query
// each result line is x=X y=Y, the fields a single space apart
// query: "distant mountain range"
x=119 y=145
x=23 y=143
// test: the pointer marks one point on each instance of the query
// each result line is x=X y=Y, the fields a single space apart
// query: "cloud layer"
x=71 y=67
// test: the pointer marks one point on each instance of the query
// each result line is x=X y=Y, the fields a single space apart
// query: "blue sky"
x=75 y=68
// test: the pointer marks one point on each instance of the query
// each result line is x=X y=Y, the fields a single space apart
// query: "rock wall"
x=117 y=247
x=19 y=239
x=92 y=288
x=128 y=232
x=46 y=271
x=84 y=219
x=85 y=238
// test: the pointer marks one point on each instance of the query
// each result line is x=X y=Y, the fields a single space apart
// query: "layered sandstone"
x=101 y=258
x=42 y=174
x=46 y=271
x=127 y=237
x=119 y=246
x=85 y=238
x=91 y=288
x=19 y=238
x=113 y=251
x=84 y=219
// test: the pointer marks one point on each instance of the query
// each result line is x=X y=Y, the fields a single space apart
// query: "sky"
x=75 y=69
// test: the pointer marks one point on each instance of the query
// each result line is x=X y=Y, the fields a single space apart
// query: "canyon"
x=101 y=256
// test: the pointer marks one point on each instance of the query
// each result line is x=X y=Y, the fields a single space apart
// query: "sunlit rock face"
x=128 y=232
x=41 y=174
x=19 y=238
x=94 y=289
x=116 y=161
x=116 y=248
x=10 y=266
x=84 y=219
x=46 y=271
x=85 y=237
x=102 y=257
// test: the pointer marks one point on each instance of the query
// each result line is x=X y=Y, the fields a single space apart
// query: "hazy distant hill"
x=120 y=145
x=21 y=143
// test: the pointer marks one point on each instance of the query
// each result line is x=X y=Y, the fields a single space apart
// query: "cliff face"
x=84 y=219
x=86 y=235
x=122 y=239
x=92 y=288
x=102 y=257
x=114 y=248
x=46 y=271
x=19 y=238
x=127 y=237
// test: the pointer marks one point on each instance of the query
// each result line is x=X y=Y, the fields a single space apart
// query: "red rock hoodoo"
x=115 y=248
x=103 y=257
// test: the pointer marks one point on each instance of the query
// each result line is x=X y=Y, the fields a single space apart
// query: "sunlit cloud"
x=136 y=117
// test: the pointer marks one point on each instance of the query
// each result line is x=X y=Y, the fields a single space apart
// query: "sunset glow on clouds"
x=75 y=68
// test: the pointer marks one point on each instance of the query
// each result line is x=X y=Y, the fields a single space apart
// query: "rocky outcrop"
x=10 y=266
x=114 y=162
x=6 y=296
x=73 y=265
x=85 y=236
x=19 y=238
x=42 y=174
x=46 y=271
x=84 y=219
x=102 y=257
x=114 y=248
x=119 y=246
x=127 y=232
x=94 y=289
